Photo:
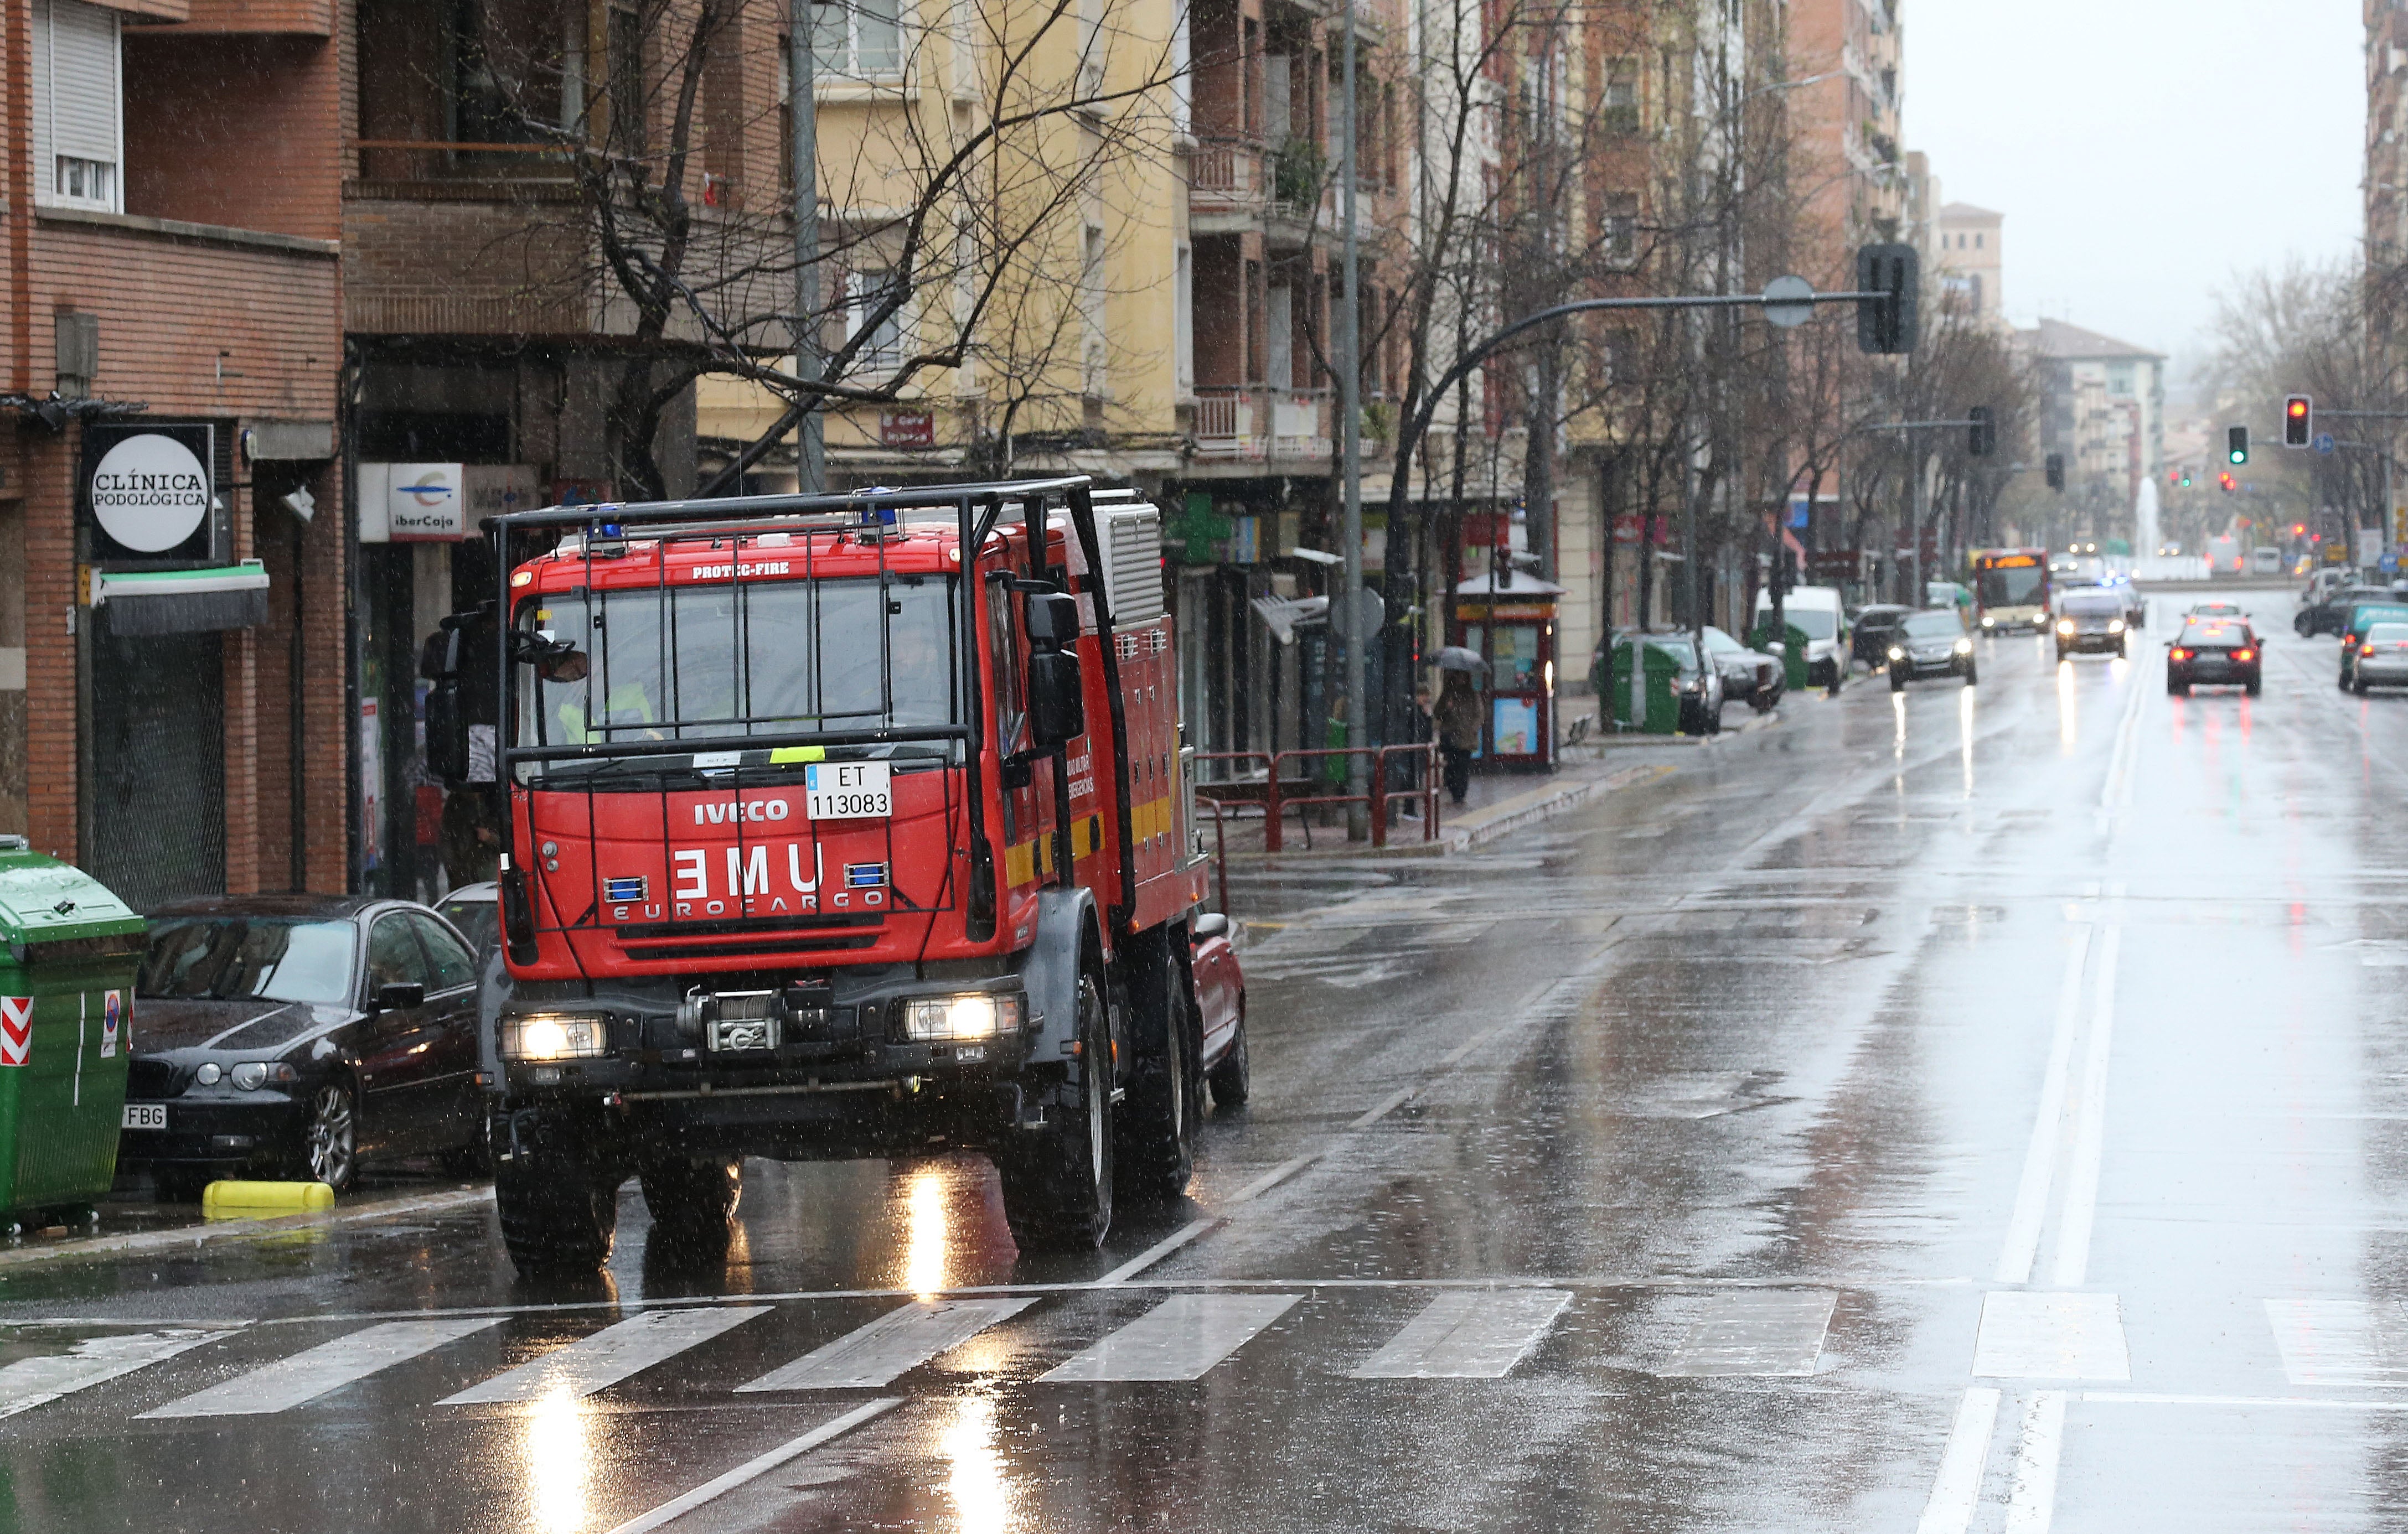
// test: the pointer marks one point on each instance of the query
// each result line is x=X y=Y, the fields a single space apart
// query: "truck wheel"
x=1157 y=1154
x=693 y=1204
x=1232 y=1077
x=1057 y=1181
x=559 y=1212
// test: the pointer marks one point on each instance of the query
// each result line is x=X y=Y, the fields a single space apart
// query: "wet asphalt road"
x=1974 y=1109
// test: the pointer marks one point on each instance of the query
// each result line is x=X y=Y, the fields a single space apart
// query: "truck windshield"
x=721 y=661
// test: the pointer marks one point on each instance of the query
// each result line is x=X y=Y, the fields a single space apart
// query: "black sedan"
x=1931 y=644
x=2331 y=615
x=2214 y=652
x=298 y=1036
x=1873 y=631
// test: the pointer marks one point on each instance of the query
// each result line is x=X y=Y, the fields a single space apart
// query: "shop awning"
x=156 y=601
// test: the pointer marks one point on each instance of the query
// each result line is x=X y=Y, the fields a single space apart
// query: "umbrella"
x=1456 y=658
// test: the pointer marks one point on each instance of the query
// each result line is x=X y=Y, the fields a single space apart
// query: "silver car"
x=2382 y=658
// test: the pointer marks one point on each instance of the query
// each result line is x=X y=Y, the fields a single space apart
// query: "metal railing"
x=1278 y=791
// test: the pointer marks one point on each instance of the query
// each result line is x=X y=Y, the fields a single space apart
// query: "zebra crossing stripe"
x=1467 y=1334
x=613 y=1354
x=305 y=1376
x=900 y=1340
x=29 y=1382
x=1178 y=1340
x=1768 y=1333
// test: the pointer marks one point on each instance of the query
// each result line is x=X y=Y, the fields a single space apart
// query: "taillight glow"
x=2178 y=654
x=2244 y=654
x=2366 y=649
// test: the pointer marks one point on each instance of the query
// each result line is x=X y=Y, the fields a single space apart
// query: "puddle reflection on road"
x=559 y=1461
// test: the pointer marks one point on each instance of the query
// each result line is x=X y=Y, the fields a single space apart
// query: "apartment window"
x=516 y=70
x=1977 y=242
x=1620 y=232
x=865 y=294
x=627 y=96
x=77 y=109
x=860 y=38
x=1621 y=104
x=2119 y=379
x=1183 y=321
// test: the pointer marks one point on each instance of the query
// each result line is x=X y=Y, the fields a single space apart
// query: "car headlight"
x=1964 y=647
x=550 y=1036
x=207 y=1073
x=1896 y=653
x=2065 y=625
x=1989 y=623
x=250 y=1076
x=945 y=1019
x=2114 y=625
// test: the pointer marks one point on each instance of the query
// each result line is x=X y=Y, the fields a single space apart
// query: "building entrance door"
x=153 y=794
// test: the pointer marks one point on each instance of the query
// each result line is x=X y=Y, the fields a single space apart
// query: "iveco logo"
x=751 y=809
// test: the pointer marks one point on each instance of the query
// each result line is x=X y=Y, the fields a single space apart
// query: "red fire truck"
x=840 y=827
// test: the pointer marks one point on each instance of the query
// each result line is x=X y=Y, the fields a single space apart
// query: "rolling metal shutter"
x=77 y=107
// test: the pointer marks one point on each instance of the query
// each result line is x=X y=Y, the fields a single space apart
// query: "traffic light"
x=2186 y=479
x=2236 y=445
x=2299 y=421
x=2056 y=471
x=1981 y=436
x=1886 y=323
x=2226 y=480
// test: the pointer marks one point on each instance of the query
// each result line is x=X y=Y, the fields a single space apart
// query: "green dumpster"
x=1663 y=708
x=66 y=1028
x=1793 y=653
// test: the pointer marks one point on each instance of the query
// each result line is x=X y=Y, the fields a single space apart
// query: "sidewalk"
x=1497 y=805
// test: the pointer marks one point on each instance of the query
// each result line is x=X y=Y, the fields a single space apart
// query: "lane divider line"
x=1958 y=1489
x=2033 y=1502
x=757 y=1466
x=2079 y=1214
x=2022 y=1247
x=1194 y=1229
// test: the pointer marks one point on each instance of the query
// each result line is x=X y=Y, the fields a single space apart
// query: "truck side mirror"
x=1052 y=620
x=1057 y=707
x=447 y=733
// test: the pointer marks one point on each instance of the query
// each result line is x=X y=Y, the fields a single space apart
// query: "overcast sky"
x=2142 y=150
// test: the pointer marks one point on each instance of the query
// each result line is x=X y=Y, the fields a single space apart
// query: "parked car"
x=1872 y=632
x=299 y=1035
x=476 y=910
x=2363 y=617
x=1221 y=995
x=1816 y=611
x=2091 y=620
x=1931 y=643
x=2382 y=658
x=1697 y=687
x=1749 y=677
x=2214 y=652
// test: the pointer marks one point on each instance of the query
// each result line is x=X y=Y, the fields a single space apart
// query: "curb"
x=1542 y=804
x=184 y=1238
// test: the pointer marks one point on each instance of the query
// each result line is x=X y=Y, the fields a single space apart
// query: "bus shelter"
x=1509 y=617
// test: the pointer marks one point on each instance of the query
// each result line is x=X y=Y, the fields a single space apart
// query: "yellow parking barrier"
x=228 y=1200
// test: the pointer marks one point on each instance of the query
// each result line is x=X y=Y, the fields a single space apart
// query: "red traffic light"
x=2226 y=480
x=2299 y=411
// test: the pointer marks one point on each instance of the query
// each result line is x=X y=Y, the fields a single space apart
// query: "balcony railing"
x=1253 y=424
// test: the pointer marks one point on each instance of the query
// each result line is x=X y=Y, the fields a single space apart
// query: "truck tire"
x=1232 y=1077
x=1057 y=1180
x=1156 y=1123
x=693 y=1203
x=559 y=1212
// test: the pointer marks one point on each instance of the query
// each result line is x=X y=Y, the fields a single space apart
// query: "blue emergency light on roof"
x=611 y=529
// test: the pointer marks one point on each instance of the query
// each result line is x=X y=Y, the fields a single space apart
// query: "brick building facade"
x=172 y=219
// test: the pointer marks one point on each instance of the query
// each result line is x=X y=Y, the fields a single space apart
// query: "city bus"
x=2010 y=589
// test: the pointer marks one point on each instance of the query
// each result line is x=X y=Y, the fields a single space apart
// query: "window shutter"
x=76 y=104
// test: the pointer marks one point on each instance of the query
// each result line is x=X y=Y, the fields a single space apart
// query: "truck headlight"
x=550 y=1036
x=2114 y=625
x=947 y=1019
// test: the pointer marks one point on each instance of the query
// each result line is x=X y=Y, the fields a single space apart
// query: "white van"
x=1815 y=610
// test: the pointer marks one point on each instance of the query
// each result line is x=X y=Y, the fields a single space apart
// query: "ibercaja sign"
x=149 y=491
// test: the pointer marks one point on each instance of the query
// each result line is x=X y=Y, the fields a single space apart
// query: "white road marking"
x=328 y=1366
x=2341 y=1341
x=1178 y=1340
x=1465 y=1334
x=2040 y=1159
x=1157 y=1252
x=753 y=1469
x=1385 y=1106
x=611 y=1355
x=899 y=1341
x=2032 y=1503
x=1958 y=1489
x=2136 y=1398
x=2079 y=1212
x=1769 y=1332
x=2041 y=1336
x=29 y=1382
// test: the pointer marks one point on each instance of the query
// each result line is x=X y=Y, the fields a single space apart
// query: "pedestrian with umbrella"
x=1456 y=716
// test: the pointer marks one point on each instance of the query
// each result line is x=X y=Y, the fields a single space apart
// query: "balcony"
x=1251 y=424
